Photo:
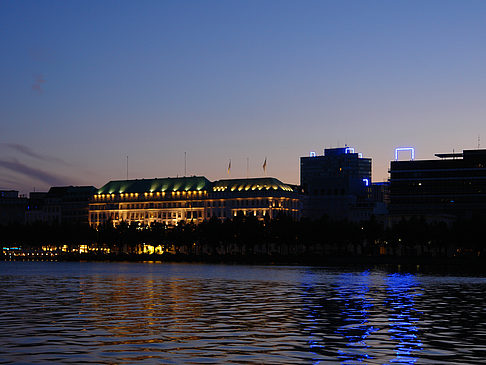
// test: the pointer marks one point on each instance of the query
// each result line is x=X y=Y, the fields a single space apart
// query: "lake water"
x=114 y=313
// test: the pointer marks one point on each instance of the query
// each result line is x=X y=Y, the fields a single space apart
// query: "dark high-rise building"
x=454 y=185
x=336 y=184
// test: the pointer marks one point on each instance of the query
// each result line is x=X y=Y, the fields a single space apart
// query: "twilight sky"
x=86 y=83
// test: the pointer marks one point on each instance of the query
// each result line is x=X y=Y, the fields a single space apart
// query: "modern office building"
x=454 y=185
x=192 y=199
x=336 y=184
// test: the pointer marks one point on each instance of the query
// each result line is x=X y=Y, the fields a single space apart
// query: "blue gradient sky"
x=85 y=83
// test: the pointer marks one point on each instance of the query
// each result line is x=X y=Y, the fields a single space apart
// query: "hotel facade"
x=192 y=199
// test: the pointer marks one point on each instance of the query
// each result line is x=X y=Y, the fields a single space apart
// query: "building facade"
x=336 y=184
x=12 y=207
x=260 y=197
x=60 y=205
x=454 y=185
x=192 y=199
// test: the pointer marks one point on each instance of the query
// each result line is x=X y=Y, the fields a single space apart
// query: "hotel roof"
x=193 y=183
x=153 y=185
x=264 y=183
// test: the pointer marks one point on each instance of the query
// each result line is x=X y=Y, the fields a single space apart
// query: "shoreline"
x=407 y=263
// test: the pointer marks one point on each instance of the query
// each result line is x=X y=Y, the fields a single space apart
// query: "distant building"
x=194 y=199
x=380 y=196
x=380 y=192
x=60 y=205
x=12 y=207
x=452 y=186
x=35 y=207
x=336 y=184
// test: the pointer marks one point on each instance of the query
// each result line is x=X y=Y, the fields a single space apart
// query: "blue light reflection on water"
x=403 y=317
x=340 y=307
x=353 y=291
x=372 y=317
x=312 y=318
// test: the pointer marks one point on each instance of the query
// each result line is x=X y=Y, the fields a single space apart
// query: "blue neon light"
x=366 y=182
x=349 y=150
x=399 y=149
x=313 y=154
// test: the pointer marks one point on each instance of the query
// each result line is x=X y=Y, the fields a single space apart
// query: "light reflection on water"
x=183 y=313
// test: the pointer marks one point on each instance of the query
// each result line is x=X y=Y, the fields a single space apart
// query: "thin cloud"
x=29 y=152
x=9 y=182
x=33 y=173
x=38 y=81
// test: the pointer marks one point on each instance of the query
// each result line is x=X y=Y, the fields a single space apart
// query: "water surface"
x=114 y=313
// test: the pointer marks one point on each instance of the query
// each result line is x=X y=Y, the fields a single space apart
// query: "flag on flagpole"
x=229 y=167
x=265 y=166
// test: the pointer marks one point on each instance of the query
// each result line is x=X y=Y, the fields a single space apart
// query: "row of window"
x=218 y=204
x=158 y=195
x=104 y=216
x=155 y=205
x=188 y=215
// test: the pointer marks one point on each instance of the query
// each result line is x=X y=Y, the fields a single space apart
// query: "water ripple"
x=177 y=313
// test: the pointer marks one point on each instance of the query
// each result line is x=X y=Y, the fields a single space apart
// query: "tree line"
x=372 y=237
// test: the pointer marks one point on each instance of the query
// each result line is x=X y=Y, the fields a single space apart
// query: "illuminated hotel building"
x=259 y=197
x=172 y=200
